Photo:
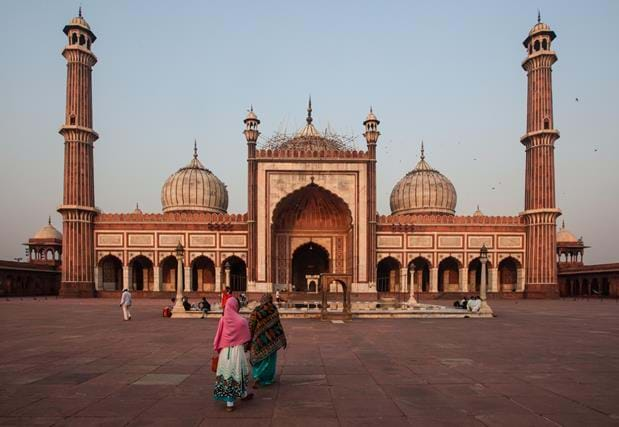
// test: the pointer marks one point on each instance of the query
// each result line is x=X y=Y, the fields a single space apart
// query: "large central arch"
x=311 y=233
x=308 y=262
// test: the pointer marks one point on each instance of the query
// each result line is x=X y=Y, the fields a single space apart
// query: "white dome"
x=423 y=190
x=194 y=188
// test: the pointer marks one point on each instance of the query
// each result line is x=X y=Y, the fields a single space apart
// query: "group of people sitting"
x=472 y=304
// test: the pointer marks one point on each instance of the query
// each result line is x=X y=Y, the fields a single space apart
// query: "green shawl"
x=267 y=333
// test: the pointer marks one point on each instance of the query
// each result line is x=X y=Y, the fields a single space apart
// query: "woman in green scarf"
x=267 y=336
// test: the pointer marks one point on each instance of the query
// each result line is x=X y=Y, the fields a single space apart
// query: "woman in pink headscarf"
x=232 y=375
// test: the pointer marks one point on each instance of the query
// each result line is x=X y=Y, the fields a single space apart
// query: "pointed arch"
x=449 y=274
x=388 y=275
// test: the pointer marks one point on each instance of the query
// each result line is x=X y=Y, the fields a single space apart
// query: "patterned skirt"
x=232 y=374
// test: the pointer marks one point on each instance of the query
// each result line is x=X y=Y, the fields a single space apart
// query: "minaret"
x=78 y=204
x=540 y=212
x=251 y=135
x=371 y=135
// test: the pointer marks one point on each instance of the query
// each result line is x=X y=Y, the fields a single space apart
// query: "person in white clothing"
x=474 y=304
x=125 y=304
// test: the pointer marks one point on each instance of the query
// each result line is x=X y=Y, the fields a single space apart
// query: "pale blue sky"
x=445 y=72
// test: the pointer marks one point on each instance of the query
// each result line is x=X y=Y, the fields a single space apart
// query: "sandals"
x=249 y=396
x=256 y=385
x=229 y=408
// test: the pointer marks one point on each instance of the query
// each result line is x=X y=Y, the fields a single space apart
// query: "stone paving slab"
x=539 y=363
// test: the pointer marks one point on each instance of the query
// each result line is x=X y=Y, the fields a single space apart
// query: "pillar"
x=434 y=279
x=464 y=277
x=217 y=279
x=227 y=279
x=404 y=287
x=520 y=279
x=98 y=279
x=126 y=277
x=187 y=279
x=493 y=278
x=156 y=278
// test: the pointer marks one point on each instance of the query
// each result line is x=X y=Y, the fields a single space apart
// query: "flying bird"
x=577 y=100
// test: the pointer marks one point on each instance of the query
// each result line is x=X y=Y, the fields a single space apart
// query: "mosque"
x=311 y=213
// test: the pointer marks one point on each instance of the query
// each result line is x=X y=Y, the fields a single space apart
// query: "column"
x=464 y=279
x=493 y=278
x=520 y=280
x=404 y=286
x=126 y=277
x=434 y=279
x=98 y=278
x=187 y=279
x=156 y=278
x=217 y=279
x=227 y=280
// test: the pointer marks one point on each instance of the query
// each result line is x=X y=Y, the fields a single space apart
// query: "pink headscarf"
x=233 y=329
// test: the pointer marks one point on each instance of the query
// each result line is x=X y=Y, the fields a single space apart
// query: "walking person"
x=232 y=376
x=125 y=304
x=267 y=336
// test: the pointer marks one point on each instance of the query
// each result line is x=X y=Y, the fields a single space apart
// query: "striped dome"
x=194 y=188
x=423 y=191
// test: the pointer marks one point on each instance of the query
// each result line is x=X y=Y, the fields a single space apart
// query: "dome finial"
x=309 y=111
x=562 y=223
x=49 y=220
x=539 y=16
x=137 y=206
x=478 y=206
x=423 y=156
x=195 y=149
x=79 y=11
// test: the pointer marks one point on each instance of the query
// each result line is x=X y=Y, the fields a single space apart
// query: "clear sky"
x=446 y=72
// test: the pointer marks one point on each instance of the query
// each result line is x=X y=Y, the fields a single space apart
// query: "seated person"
x=242 y=300
x=204 y=305
x=461 y=303
x=186 y=304
x=474 y=304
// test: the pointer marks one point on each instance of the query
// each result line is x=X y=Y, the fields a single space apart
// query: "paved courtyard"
x=74 y=362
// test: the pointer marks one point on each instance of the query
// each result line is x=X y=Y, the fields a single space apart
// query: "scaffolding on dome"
x=327 y=141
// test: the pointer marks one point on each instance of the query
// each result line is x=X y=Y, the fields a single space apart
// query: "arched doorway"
x=508 y=275
x=202 y=274
x=449 y=275
x=238 y=274
x=310 y=213
x=141 y=273
x=169 y=265
x=111 y=273
x=474 y=277
x=309 y=259
x=388 y=275
x=419 y=274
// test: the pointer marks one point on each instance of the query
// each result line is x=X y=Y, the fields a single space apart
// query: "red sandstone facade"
x=311 y=210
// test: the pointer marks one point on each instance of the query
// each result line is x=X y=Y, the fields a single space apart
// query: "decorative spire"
x=478 y=206
x=49 y=220
x=309 y=111
x=423 y=156
x=79 y=11
x=137 y=206
x=539 y=16
x=251 y=108
x=195 y=149
x=563 y=224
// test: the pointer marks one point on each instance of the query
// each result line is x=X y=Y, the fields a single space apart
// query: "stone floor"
x=74 y=362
